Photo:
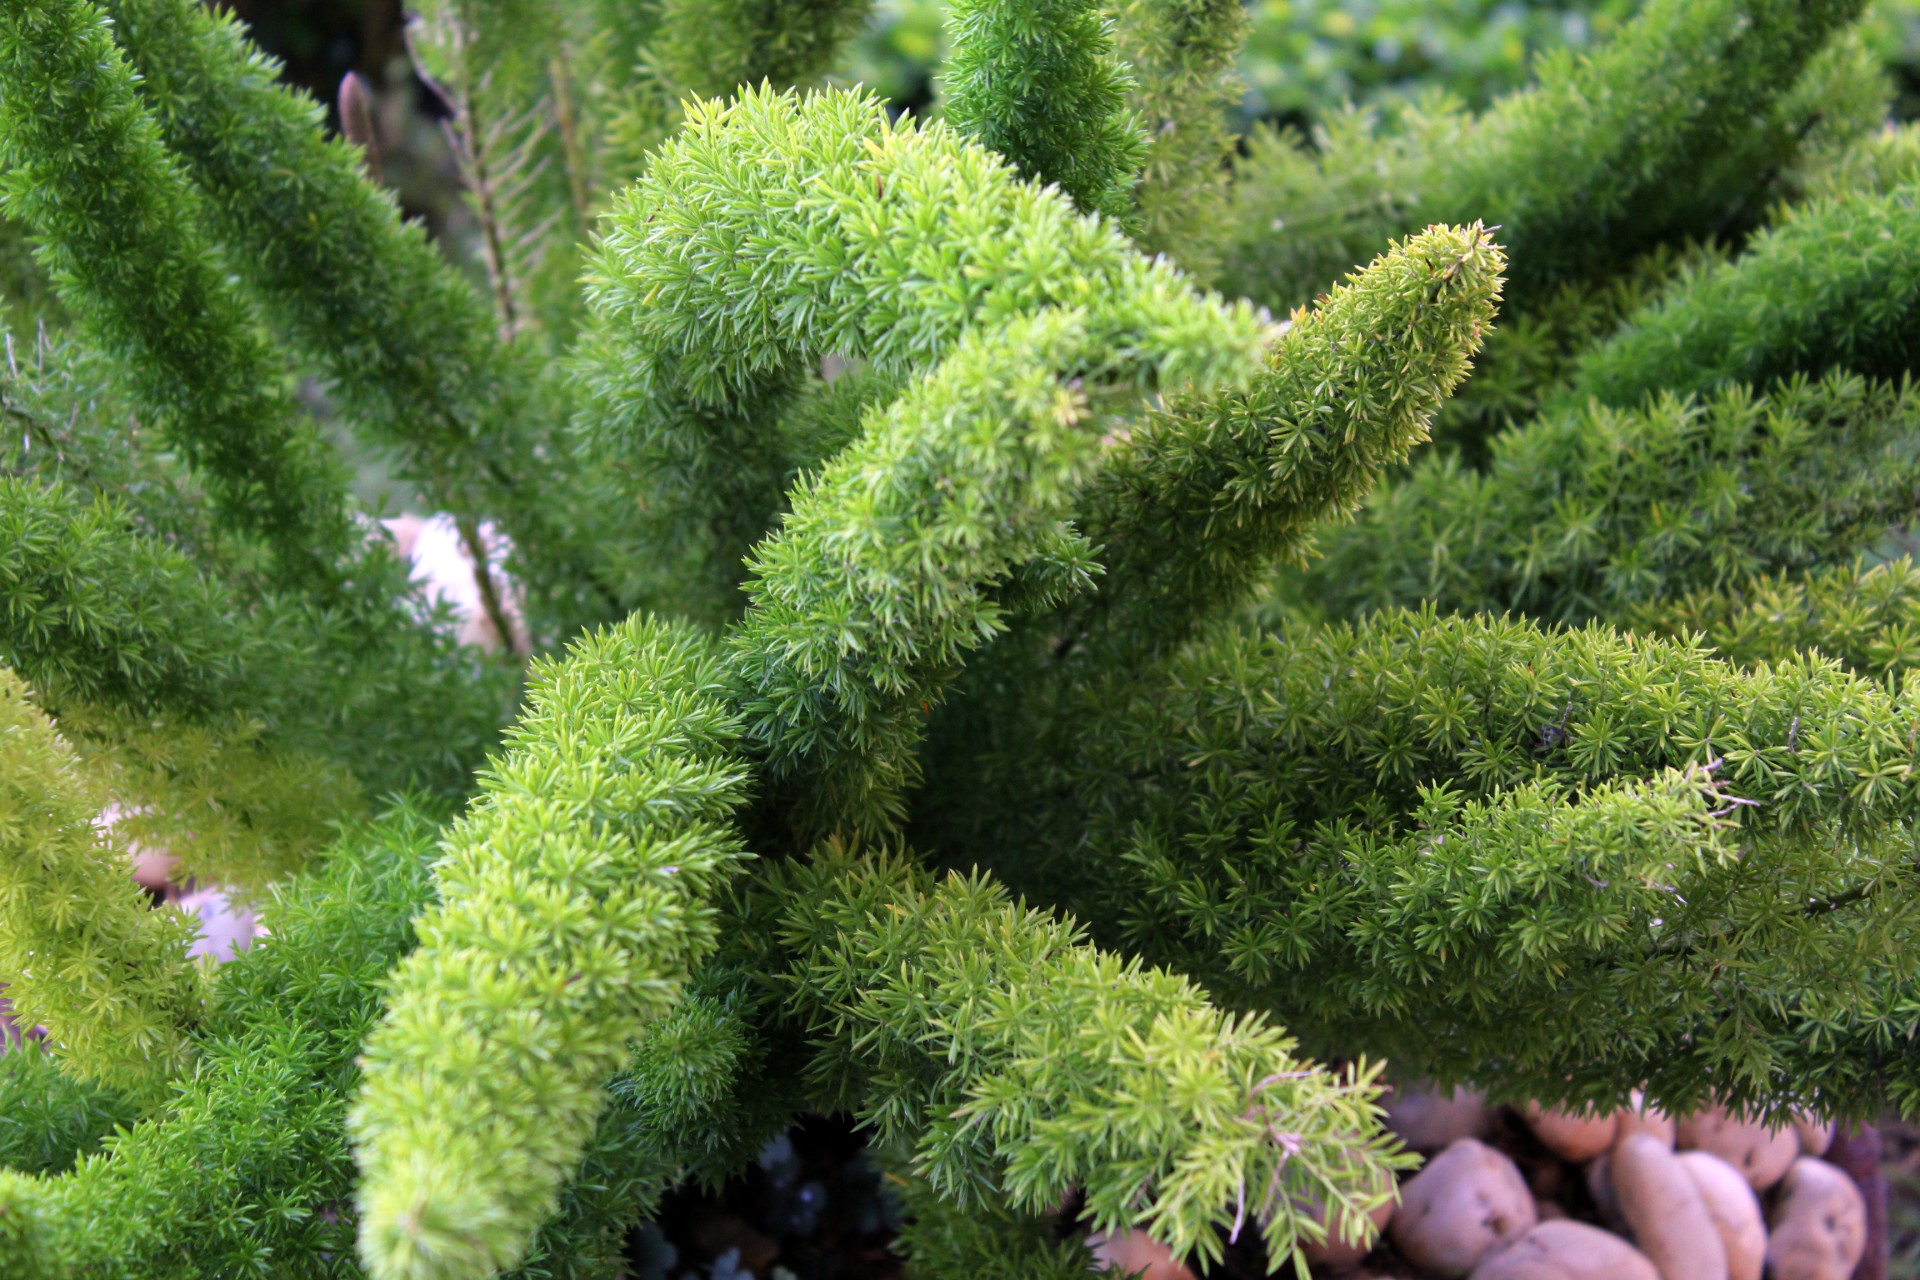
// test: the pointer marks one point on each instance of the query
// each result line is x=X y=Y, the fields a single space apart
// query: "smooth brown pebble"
x=1468 y=1199
x=1816 y=1135
x=1427 y=1120
x=1573 y=1136
x=1335 y=1252
x=1666 y=1212
x=1638 y=1117
x=1735 y=1211
x=1566 y=1250
x=1762 y=1155
x=1819 y=1224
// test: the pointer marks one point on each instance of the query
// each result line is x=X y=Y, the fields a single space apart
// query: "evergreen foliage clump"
x=957 y=668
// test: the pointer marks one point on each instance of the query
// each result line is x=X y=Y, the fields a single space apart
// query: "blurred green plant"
x=1306 y=57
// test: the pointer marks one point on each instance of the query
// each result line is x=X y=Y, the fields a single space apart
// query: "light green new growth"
x=1876 y=164
x=1202 y=494
x=220 y=795
x=975 y=497
x=882 y=578
x=1181 y=54
x=80 y=950
x=1200 y=497
x=1019 y=1062
x=259 y=1130
x=252 y=1141
x=117 y=226
x=1037 y=82
x=573 y=902
x=776 y=230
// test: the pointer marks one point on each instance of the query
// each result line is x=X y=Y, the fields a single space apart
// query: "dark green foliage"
x=1369 y=832
x=1834 y=282
x=403 y=342
x=1584 y=513
x=1037 y=82
x=73 y=424
x=1181 y=53
x=1528 y=358
x=117 y=223
x=94 y=611
x=1867 y=617
x=990 y=1240
x=710 y=48
x=48 y=1119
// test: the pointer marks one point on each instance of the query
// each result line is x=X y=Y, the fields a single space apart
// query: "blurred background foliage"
x=1305 y=59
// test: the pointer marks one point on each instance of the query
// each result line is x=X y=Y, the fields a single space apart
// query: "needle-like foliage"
x=1867 y=616
x=1032 y=1064
x=1573 y=758
x=778 y=230
x=1836 y=282
x=1657 y=856
x=572 y=904
x=1181 y=53
x=1037 y=82
x=1585 y=512
x=118 y=227
x=79 y=950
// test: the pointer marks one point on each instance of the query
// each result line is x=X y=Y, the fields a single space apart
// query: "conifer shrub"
x=1026 y=626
